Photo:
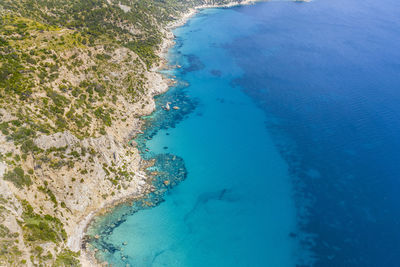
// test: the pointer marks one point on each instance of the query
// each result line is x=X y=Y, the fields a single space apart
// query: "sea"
x=281 y=146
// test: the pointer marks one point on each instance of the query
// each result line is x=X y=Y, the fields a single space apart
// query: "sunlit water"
x=285 y=147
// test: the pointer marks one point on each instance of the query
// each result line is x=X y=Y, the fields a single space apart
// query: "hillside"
x=75 y=79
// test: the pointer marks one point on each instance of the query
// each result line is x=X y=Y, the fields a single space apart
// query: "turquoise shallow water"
x=285 y=148
x=235 y=207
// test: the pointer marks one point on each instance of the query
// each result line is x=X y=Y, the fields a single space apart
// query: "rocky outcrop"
x=57 y=140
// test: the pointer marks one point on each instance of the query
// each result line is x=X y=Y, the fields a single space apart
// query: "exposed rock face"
x=56 y=140
x=67 y=123
x=107 y=170
x=72 y=178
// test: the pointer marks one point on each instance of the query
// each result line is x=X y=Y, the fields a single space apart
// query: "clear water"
x=285 y=148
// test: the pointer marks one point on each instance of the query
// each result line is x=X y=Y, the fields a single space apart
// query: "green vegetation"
x=67 y=258
x=41 y=40
x=18 y=177
x=38 y=228
x=69 y=66
x=47 y=191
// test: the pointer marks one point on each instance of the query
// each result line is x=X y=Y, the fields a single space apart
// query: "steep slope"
x=75 y=78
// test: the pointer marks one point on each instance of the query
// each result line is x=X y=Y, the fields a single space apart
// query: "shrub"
x=67 y=258
x=49 y=193
x=41 y=228
x=22 y=133
x=104 y=115
x=29 y=146
x=4 y=128
x=18 y=178
x=103 y=57
x=74 y=154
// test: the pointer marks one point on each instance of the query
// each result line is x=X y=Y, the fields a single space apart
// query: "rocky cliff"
x=75 y=79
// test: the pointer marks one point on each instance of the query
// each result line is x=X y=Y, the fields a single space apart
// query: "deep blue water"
x=285 y=149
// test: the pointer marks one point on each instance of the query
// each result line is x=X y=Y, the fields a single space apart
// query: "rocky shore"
x=158 y=85
x=66 y=154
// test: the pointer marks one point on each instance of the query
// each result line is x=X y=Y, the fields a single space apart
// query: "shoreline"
x=87 y=257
